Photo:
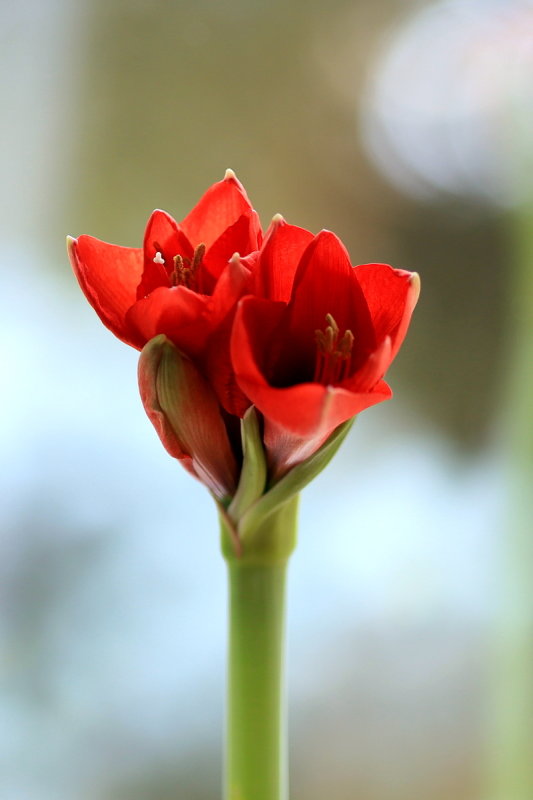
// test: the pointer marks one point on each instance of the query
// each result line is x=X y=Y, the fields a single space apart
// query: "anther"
x=346 y=344
x=185 y=271
x=332 y=324
x=198 y=256
x=332 y=354
x=177 y=272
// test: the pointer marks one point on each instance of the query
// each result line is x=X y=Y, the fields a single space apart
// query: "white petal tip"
x=415 y=285
x=71 y=243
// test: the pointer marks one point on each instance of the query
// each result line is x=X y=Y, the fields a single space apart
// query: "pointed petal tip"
x=325 y=235
x=414 y=281
x=73 y=257
x=329 y=240
x=159 y=340
x=71 y=244
x=152 y=353
x=157 y=348
x=230 y=175
x=250 y=412
x=278 y=219
x=161 y=211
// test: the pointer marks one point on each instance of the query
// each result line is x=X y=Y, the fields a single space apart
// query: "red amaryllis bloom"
x=182 y=282
x=180 y=289
x=311 y=351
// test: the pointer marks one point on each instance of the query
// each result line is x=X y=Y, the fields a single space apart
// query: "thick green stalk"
x=256 y=759
x=256 y=736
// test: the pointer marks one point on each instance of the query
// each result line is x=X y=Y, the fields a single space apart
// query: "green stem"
x=256 y=761
x=256 y=741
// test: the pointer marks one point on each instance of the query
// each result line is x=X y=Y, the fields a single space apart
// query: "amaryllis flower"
x=176 y=297
x=312 y=349
x=182 y=282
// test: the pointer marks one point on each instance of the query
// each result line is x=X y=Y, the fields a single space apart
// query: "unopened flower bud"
x=186 y=415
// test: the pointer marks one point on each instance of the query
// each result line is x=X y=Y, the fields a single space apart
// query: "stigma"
x=333 y=353
x=158 y=258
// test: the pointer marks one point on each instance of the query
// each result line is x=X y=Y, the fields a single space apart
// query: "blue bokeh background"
x=112 y=587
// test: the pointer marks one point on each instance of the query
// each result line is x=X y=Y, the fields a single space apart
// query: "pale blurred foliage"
x=113 y=589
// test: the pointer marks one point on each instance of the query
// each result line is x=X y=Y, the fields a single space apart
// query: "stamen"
x=333 y=355
x=346 y=344
x=332 y=324
x=177 y=273
x=185 y=270
x=198 y=256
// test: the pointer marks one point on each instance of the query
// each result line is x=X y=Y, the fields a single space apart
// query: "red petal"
x=177 y=312
x=162 y=235
x=220 y=207
x=310 y=409
x=287 y=447
x=220 y=372
x=256 y=341
x=391 y=295
x=230 y=287
x=108 y=275
x=325 y=283
x=372 y=371
x=241 y=237
x=281 y=252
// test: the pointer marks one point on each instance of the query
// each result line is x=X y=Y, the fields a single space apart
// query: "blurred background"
x=404 y=126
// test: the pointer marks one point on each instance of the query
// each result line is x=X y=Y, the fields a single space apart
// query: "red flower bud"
x=186 y=415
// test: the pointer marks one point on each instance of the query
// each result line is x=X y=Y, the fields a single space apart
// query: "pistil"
x=333 y=353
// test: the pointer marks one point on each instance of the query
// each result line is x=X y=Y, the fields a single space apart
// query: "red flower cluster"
x=286 y=324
